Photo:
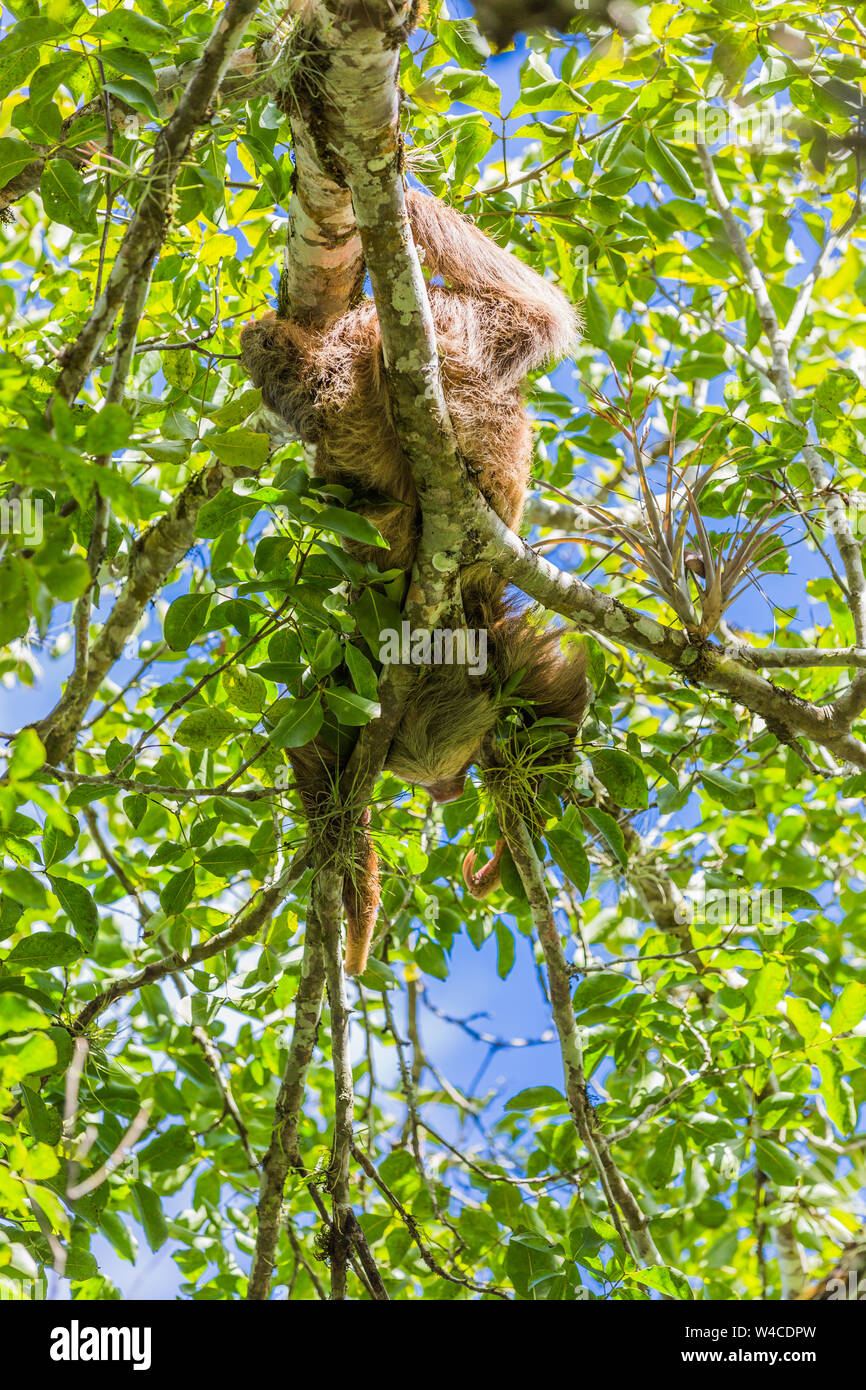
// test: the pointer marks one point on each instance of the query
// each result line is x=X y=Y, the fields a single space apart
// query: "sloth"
x=496 y=321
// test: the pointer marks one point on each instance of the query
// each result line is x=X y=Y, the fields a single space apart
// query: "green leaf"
x=56 y=844
x=474 y=139
x=797 y=899
x=228 y=860
x=246 y=690
x=168 y=1150
x=536 y=1098
x=178 y=892
x=511 y=880
x=133 y=93
x=131 y=64
x=376 y=613
x=18 y=1015
x=203 y=831
x=474 y=89
x=61 y=1043
x=134 y=808
x=363 y=675
x=236 y=410
x=733 y=795
x=240 y=448
x=596 y=317
x=621 y=776
x=609 y=831
x=185 y=619
x=44 y=1121
x=43 y=950
x=179 y=368
x=849 y=1009
x=15 y=67
x=660 y=1164
x=805 y=1017
x=780 y=1109
x=113 y=1226
x=570 y=855
x=132 y=28
x=37 y=1054
x=349 y=707
x=14 y=984
x=79 y=908
x=14 y=156
x=505 y=953
x=150 y=1214
x=431 y=958
x=663 y=160
x=781 y=1168
x=668 y=1281
x=768 y=988
x=528 y=1260
x=65 y=196
x=838 y=1093
x=28 y=755
x=328 y=653
x=600 y=989
x=349 y=524
x=206 y=728
x=109 y=430
x=835 y=387
x=10 y=915
x=69 y=579
x=115 y=754
x=300 y=725
x=24 y=888
x=81 y=1264
x=462 y=40
x=32 y=31
x=379 y=976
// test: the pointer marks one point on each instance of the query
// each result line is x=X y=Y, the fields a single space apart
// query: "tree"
x=176 y=601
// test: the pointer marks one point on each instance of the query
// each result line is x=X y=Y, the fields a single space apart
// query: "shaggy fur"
x=496 y=320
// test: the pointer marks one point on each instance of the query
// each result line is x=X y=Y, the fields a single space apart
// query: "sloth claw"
x=483 y=881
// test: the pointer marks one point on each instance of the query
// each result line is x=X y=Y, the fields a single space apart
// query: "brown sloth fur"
x=496 y=320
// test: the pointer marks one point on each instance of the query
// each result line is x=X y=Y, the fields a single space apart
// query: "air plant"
x=698 y=576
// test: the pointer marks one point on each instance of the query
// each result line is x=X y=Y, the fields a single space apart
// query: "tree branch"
x=705 y=664
x=630 y=1222
x=326 y=902
x=248 y=921
x=151 y=559
x=283 y=1152
x=150 y=221
x=847 y=544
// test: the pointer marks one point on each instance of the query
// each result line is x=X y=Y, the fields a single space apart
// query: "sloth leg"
x=361 y=897
x=279 y=357
x=482 y=881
